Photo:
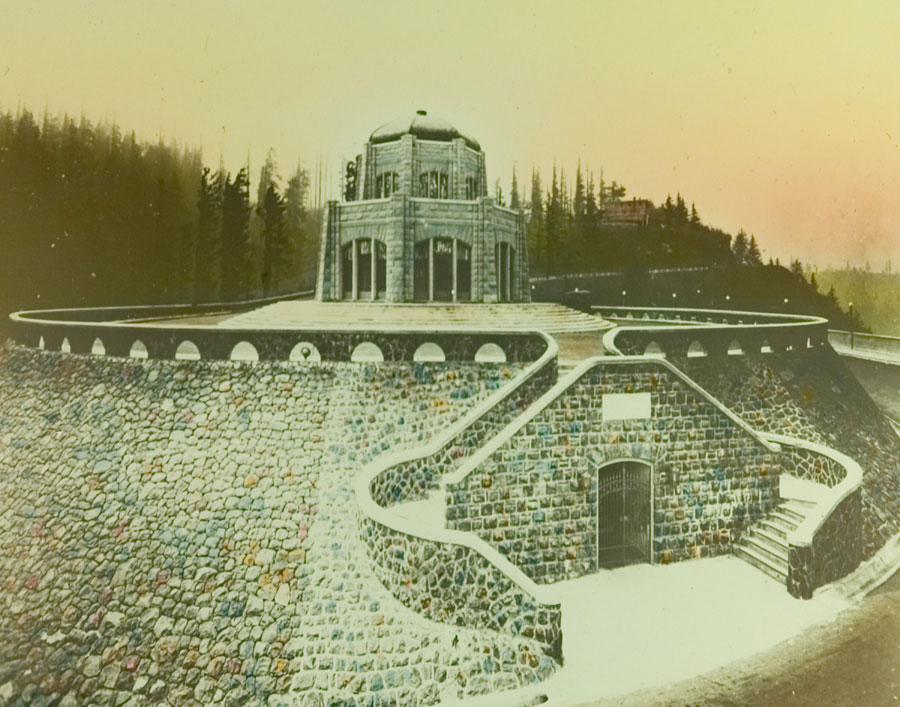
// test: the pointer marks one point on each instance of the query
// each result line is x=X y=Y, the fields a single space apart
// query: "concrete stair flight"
x=765 y=546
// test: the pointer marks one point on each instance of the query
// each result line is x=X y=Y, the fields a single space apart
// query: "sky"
x=781 y=118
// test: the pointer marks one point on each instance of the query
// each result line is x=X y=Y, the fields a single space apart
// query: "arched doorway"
x=624 y=513
x=442 y=270
x=364 y=263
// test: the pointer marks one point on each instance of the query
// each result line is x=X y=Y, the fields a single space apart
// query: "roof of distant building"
x=423 y=126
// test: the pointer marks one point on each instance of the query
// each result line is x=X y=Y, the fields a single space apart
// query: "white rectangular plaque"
x=626 y=406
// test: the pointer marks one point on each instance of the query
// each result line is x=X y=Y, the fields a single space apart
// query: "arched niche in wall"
x=735 y=348
x=138 y=350
x=765 y=348
x=244 y=351
x=187 y=351
x=696 y=350
x=490 y=353
x=305 y=352
x=654 y=349
x=429 y=351
x=41 y=344
x=65 y=346
x=97 y=348
x=367 y=352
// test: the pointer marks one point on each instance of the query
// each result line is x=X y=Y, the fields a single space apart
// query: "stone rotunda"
x=417 y=224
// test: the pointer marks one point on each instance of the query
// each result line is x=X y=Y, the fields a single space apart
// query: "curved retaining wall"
x=829 y=543
x=681 y=333
x=447 y=575
x=161 y=340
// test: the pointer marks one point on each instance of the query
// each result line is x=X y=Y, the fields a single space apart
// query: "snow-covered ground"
x=645 y=625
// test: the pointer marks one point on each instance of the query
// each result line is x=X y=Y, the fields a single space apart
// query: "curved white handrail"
x=386 y=517
x=805 y=533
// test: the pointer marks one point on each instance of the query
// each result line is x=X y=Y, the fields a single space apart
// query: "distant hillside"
x=875 y=296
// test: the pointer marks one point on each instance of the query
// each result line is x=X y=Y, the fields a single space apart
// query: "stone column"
x=355 y=247
x=373 y=262
x=454 y=270
x=431 y=269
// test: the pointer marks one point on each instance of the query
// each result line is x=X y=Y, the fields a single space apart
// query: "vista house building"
x=416 y=223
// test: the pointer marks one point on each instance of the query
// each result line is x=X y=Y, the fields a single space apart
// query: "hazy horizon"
x=783 y=121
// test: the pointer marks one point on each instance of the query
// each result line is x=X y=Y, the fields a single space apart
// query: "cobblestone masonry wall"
x=837 y=550
x=535 y=498
x=815 y=397
x=451 y=583
x=186 y=533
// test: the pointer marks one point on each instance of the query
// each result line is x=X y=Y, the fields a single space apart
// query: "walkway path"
x=854 y=660
x=309 y=314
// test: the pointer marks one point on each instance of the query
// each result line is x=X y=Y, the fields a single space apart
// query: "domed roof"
x=422 y=125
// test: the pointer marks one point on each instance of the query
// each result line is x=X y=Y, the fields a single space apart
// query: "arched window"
x=386 y=184
x=735 y=349
x=442 y=270
x=361 y=267
x=433 y=185
x=472 y=191
x=97 y=348
x=65 y=346
x=41 y=343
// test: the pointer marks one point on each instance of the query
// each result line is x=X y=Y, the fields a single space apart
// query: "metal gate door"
x=623 y=514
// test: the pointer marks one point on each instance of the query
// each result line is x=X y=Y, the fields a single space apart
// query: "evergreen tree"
x=514 y=200
x=739 y=247
x=555 y=224
x=207 y=261
x=753 y=256
x=695 y=217
x=236 y=260
x=299 y=236
x=536 y=231
x=275 y=249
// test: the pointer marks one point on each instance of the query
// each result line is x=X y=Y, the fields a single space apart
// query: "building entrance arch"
x=624 y=513
x=442 y=270
x=364 y=269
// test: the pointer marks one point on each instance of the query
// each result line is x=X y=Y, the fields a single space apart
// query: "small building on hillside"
x=417 y=225
x=628 y=213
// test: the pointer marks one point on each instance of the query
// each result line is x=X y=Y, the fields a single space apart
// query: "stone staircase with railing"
x=765 y=544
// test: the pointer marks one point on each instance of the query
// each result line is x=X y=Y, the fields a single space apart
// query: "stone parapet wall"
x=682 y=333
x=830 y=542
x=812 y=466
x=836 y=550
x=533 y=497
x=161 y=340
x=814 y=397
x=458 y=585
